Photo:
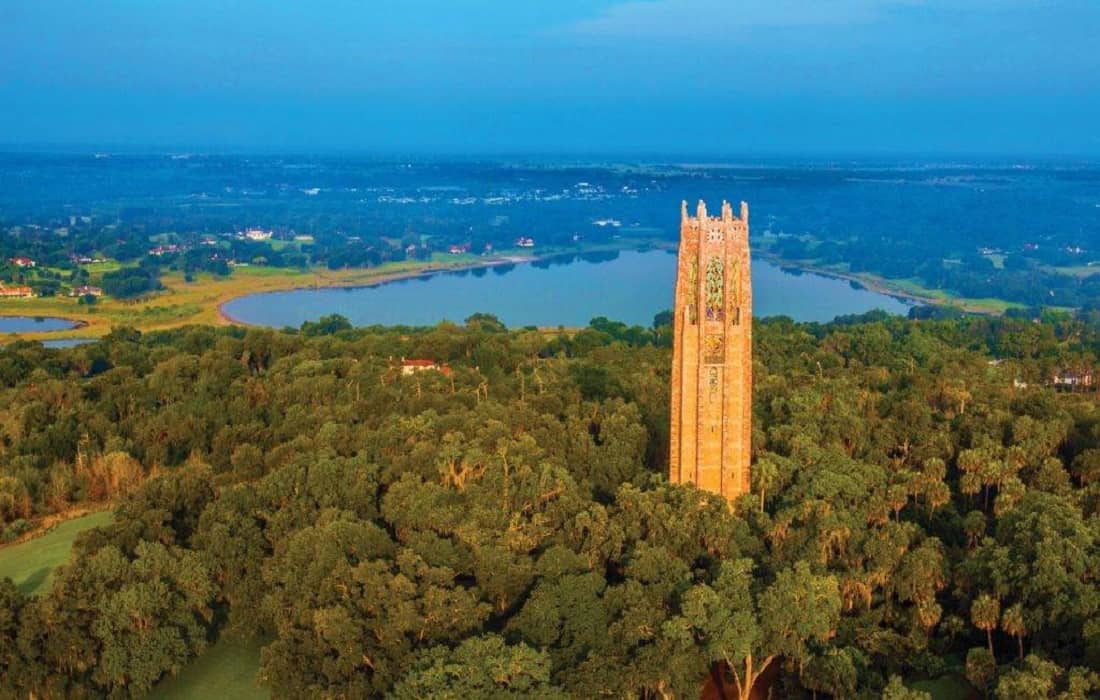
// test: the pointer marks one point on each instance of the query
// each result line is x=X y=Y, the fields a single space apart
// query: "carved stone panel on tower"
x=712 y=353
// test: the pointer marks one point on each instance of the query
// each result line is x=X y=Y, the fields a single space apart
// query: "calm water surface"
x=628 y=286
x=34 y=324
x=58 y=343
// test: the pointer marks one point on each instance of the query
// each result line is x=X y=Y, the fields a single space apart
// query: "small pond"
x=58 y=343
x=35 y=324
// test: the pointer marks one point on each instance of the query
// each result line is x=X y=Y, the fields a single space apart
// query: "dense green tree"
x=118 y=623
x=981 y=668
x=155 y=618
x=13 y=670
x=896 y=690
x=749 y=632
x=479 y=667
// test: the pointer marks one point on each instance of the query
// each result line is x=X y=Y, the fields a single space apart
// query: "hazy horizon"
x=747 y=159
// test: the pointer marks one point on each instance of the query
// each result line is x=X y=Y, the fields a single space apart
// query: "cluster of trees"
x=129 y=282
x=43 y=281
x=506 y=530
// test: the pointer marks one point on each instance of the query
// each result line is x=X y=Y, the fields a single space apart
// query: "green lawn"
x=950 y=687
x=227 y=670
x=30 y=564
x=101 y=267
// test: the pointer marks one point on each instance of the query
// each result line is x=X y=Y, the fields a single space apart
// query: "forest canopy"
x=924 y=504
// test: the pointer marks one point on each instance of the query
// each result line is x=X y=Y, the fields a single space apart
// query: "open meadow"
x=30 y=564
x=227 y=670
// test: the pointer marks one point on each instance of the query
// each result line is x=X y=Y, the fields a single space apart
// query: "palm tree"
x=984 y=613
x=1012 y=622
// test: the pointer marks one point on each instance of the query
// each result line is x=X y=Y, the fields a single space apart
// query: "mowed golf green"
x=227 y=670
x=30 y=564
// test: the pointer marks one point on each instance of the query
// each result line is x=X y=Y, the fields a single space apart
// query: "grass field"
x=987 y=305
x=227 y=670
x=30 y=564
x=952 y=687
x=997 y=259
x=100 y=267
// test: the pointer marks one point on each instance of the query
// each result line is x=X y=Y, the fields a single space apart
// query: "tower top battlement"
x=701 y=214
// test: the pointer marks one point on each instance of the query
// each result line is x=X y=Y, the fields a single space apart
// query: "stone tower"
x=712 y=353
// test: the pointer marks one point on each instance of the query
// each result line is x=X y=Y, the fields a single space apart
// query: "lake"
x=568 y=291
x=34 y=324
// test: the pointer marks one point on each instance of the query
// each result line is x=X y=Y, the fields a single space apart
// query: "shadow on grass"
x=30 y=584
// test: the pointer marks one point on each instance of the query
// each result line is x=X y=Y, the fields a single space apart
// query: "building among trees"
x=712 y=353
x=19 y=292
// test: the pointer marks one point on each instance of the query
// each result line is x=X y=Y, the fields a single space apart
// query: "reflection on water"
x=628 y=286
x=58 y=343
x=34 y=324
x=594 y=257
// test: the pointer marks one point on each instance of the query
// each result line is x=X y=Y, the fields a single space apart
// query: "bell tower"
x=712 y=353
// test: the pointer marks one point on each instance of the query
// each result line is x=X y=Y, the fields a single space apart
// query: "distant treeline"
x=1023 y=234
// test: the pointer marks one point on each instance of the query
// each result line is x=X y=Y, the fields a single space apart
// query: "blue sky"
x=724 y=77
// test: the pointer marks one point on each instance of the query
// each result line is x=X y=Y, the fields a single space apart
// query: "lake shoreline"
x=877 y=286
x=228 y=319
x=204 y=301
x=291 y=309
x=887 y=287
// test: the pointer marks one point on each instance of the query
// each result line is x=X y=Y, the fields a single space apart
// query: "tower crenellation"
x=701 y=217
x=712 y=353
